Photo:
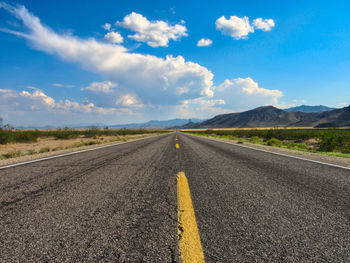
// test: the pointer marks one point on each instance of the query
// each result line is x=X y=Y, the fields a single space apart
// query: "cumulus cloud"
x=107 y=26
x=155 y=80
x=37 y=108
x=200 y=108
x=232 y=95
x=239 y=28
x=236 y=27
x=101 y=87
x=114 y=37
x=204 y=42
x=264 y=24
x=169 y=84
x=39 y=101
x=154 y=33
x=245 y=93
x=129 y=100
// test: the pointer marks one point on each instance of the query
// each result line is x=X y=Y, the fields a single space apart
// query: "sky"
x=111 y=62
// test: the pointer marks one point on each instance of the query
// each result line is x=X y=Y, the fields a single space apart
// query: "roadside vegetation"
x=331 y=141
x=10 y=135
x=79 y=137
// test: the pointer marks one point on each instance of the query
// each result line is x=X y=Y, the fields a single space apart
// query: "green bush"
x=332 y=140
x=274 y=142
x=90 y=143
x=240 y=141
x=346 y=147
x=255 y=139
x=296 y=146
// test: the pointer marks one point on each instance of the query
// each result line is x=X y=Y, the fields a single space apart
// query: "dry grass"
x=49 y=146
x=259 y=128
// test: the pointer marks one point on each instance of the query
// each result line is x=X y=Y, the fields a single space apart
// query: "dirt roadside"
x=301 y=154
x=31 y=151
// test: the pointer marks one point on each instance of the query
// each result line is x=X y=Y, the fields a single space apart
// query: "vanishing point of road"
x=174 y=198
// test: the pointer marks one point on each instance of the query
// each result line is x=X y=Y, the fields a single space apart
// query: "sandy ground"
x=307 y=155
x=31 y=151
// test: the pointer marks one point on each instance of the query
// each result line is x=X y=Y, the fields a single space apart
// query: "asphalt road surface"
x=119 y=204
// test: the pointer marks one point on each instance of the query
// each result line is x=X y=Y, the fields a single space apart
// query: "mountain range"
x=153 y=124
x=307 y=108
x=157 y=124
x=269 y=116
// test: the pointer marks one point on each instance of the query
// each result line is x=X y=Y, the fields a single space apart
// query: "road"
x=119 y=204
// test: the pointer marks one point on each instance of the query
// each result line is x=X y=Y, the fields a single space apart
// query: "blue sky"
x=59 y=66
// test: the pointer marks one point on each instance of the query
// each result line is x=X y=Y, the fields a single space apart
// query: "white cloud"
x=155 y=80
x=154 y=33
x=60 y=85
x=236 y=27
x=114 y=37
x=165 y=85
x=200 y=108
x=204 y=42
x=107 y=26
x=264 y=24
x=233 y=95
x=37 y=108
x=239 y=28
x=101 y=87
x=245 y=93
x=129 y=100
x=39 y=101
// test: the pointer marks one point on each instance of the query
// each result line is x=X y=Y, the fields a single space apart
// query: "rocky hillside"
x=269 y=116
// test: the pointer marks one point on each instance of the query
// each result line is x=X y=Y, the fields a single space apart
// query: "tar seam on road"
x=281 y=154
x=189 y=241
x=75 y=152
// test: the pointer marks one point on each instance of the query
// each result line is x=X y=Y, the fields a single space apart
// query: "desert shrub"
x=93 y=132
x=208 y=131
x=10 y=135
x=240 y=141
x=5 y=136
x=274 y=142
x=331 y=140
x=31 y=152
x=254 y=139
x=296 y=146
x=90 y=143
x=11 y=154
x=64 y=134
x=57 y=148
x=25 y=136
x=346 y=147
x=44 y=150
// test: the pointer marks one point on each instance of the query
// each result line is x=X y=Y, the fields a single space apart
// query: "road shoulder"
x=345 y=162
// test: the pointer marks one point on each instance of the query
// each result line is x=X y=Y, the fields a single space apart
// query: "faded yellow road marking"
x=177 y=146
x=189 y=241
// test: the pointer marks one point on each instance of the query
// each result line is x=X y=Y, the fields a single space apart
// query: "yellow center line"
x=189 y=241
x=177 y=146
